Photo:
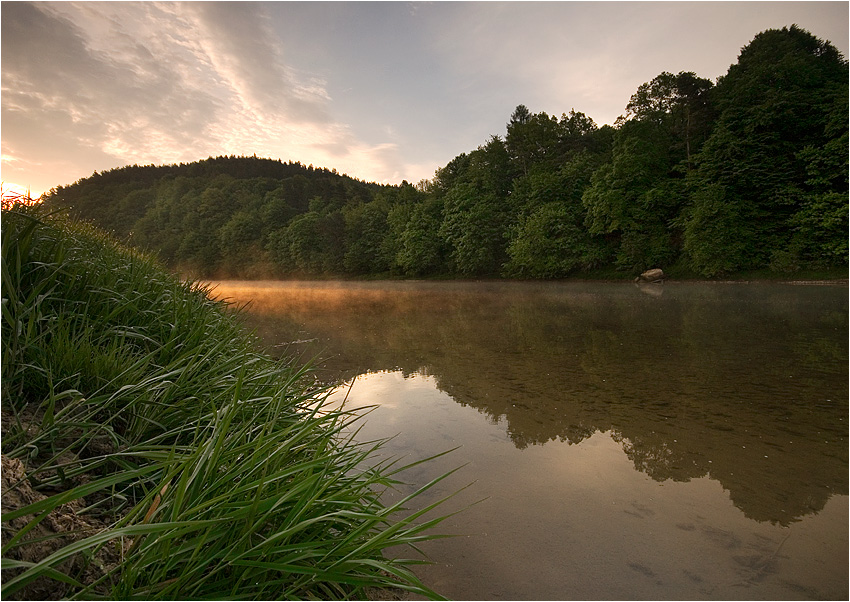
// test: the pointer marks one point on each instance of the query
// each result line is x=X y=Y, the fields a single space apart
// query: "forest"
x=699 y=178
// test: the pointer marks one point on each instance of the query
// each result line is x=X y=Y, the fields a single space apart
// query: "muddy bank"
x=60 y=527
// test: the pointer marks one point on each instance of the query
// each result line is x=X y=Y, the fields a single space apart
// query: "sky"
x=381 y=91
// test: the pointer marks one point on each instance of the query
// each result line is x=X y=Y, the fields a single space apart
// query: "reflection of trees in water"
x=745 y=384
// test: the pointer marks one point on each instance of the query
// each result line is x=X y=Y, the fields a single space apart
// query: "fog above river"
x=745 y=384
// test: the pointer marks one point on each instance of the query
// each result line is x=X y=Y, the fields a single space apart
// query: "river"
x=675 y=441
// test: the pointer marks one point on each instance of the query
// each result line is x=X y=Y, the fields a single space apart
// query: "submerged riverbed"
x=676 y=441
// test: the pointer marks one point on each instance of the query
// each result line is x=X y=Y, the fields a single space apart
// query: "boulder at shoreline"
x=653 y=275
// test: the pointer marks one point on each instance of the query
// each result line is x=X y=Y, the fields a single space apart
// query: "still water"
x=676 y=441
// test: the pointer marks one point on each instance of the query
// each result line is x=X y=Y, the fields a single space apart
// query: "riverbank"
x=149 y=450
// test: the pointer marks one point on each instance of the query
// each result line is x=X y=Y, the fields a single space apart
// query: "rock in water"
x=654 y=275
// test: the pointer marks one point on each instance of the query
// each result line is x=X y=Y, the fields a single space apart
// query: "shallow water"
x=676 y=441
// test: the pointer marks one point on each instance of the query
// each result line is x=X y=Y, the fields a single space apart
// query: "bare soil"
x=60 y=527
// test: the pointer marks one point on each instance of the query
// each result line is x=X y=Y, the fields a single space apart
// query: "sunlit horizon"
x=10 y=189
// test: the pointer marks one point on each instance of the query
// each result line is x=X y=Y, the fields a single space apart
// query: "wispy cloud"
x=79 y=74
x=120 y=83
x=240 y=44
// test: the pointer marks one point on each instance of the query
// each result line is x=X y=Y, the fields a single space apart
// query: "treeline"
x=696 y=177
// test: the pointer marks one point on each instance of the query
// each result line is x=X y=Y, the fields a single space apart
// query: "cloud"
x=100 y=86
x=240 y=44
x=106 y=84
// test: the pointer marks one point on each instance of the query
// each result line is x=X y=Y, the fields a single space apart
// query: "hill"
x=209 y=216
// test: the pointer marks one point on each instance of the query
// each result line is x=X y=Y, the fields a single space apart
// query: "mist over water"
x=675 y=441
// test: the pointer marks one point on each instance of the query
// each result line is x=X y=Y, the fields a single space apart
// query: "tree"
x=398 y=216
x=446 y=177
x=277 y=209
x=242 y=242
x=473 y=227
x=489 y=169
x=575 y=131
x=633 y=199
x=637 y=198
x=530 y=139
x=421 y=251
x=366 y=228
x=717 y=239
x=550 y=239
x=679 y=102
x=548 y=244
x=300 y=248
x=775 y=103
x=821 y=224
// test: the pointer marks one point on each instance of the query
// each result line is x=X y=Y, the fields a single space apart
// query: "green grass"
x=208 y=469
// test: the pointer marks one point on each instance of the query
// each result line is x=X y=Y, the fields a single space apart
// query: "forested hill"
x=697 y=177
x=212 y=216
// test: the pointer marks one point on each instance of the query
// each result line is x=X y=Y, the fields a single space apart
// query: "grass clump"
x=149 y=451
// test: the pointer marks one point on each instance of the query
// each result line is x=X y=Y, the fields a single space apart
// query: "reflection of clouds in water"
x=391 y=403
x=387 y=389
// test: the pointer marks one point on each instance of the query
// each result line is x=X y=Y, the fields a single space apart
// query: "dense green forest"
x=698 y=178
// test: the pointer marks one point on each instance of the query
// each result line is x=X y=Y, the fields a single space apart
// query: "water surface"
x=683 y=440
